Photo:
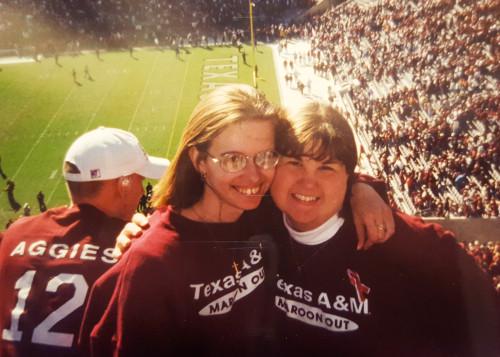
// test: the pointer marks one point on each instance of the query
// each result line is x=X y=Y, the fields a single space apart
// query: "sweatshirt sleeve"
x=99 y=322
x=126 y=308
x=466 y=305
x=143 y=299
x=378 y=185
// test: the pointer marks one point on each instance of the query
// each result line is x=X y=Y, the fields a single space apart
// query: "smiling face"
x=318 y=157
x=243 y=190
x=308 y=191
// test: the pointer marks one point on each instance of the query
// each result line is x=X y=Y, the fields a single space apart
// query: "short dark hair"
x=320 y=127
x=84 y=189
x=70 y=168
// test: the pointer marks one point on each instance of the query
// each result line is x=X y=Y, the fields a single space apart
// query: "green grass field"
x=43 y=110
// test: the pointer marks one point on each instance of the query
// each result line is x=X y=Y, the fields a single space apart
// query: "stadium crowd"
x=83 y=24
x=420 y=79
x=427 y=113
x=487 y=256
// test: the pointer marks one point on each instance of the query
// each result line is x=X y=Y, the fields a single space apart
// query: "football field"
x=45 y=106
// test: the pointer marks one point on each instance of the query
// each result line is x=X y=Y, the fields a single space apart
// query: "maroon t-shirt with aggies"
x=48 y=264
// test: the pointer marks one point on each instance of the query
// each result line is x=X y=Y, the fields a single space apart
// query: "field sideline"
x=151 y=93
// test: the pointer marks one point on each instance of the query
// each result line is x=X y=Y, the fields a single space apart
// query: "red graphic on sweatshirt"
x=361 y=289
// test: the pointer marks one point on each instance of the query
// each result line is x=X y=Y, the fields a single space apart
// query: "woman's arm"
x=372 y=216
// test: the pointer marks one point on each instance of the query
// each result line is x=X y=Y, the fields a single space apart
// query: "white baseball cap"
x=109 y=153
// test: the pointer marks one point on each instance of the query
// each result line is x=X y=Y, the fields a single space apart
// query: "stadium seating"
x=426 y=97
x=420 y=79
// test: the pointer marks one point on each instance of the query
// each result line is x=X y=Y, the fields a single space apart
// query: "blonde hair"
x=322 y=126
x=182 y=185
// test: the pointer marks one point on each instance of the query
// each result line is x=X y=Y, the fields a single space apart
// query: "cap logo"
x=143 y=151
x=96 y=173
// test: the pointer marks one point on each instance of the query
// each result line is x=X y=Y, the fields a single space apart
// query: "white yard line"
x=39 y=139
x=143 y=92
x=177 y=109
x=43 y=133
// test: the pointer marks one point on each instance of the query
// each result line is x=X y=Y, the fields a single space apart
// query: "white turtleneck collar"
x=318 y=235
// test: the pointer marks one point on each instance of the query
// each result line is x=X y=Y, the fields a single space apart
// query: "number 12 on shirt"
x=42 y=333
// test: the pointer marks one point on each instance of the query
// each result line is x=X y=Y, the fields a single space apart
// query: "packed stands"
x=421 y=81
x=487 y=256
x=122 y=23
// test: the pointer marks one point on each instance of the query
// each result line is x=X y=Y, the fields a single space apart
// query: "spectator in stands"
x=419 y=295
x=55 y=257
x=422 y=94
x=445 y=93
x=223 y=168
x=115 y=21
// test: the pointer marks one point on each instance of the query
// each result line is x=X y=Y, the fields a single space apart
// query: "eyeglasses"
x=235 y=161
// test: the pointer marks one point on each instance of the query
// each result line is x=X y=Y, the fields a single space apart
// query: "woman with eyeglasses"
x=200 y=280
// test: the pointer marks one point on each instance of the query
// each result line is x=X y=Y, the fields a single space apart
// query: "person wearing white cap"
x=112 y=162
x=49 y=262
